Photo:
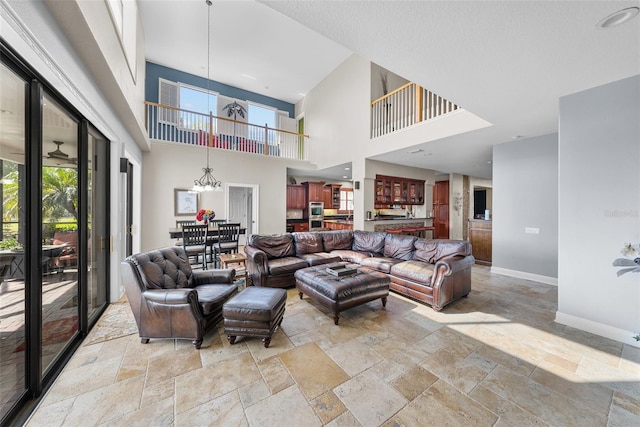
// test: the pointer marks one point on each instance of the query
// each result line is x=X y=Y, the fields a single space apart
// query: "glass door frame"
x=37 y=381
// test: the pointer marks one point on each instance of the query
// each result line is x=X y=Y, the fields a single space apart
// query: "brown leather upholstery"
x=169 y=300
x=434 y=271
x=341 y=293
x=254 y=312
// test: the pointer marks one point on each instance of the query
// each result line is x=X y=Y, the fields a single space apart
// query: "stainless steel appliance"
x=316 y=215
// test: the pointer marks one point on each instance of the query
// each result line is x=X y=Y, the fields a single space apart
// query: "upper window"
x=261 y=115
x=198 y=101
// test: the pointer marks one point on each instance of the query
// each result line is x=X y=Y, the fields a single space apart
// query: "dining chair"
x=194 y=242
x=227 y=243
x=180 y=223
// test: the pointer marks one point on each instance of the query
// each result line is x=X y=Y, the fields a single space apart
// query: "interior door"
x=441 y=210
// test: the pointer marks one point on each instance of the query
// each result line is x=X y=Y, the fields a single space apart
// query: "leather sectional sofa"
x=433 y=271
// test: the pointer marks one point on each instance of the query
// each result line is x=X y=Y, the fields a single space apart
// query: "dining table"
x=176 y=233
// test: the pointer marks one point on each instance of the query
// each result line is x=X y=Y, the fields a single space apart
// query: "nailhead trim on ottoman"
x=254 y=312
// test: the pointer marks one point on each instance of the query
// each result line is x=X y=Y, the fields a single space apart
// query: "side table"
x=237 y=261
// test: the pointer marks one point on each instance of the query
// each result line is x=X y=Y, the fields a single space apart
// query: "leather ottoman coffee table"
x=344 y=292
x=254 y=312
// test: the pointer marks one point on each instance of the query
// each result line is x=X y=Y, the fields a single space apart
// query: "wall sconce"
x=457 y=202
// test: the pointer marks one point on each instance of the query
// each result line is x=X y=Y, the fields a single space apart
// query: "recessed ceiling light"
x=618 y=18
x=247 y=76
x=417 y=150
x=347 y=169
x=344 y=176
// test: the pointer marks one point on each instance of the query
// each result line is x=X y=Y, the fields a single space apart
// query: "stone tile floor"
x=495 y=358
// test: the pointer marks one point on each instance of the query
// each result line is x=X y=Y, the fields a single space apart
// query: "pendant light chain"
x=208 y=182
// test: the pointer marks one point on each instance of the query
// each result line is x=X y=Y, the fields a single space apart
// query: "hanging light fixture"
x=207 y=182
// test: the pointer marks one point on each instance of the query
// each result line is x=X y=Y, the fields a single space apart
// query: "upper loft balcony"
x=165 y=123
x=406 y=106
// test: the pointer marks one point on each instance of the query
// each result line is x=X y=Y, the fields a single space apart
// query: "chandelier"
x=207 y=182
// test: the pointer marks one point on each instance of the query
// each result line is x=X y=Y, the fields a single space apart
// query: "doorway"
x=243 y=207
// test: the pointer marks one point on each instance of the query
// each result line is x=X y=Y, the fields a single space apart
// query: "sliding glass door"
x=54 y=232
x=12 y=243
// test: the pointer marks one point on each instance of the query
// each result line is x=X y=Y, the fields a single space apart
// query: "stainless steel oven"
x=316 y=210
x=316 y=215
x=315 y=223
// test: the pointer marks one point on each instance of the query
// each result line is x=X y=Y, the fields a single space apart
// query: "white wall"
x=599 y=208
x=168 y=166
x=525 y=194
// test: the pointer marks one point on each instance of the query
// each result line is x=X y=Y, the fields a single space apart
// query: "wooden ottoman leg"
x=232 y=339
x=336 y=317
x=384 y=301
x=144 y=340
x=300 y=293
x=266 y=341
x=197 y=343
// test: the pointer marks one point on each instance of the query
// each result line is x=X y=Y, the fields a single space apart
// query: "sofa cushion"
x=416 y=271
x=211 y=297
x=399 y=246
x=307 y=243
x=274 y=246
x=383 y=264
x=369 y=241
x=285 y=265
x=337 y=240
x=351 y=256
x=320 y=258
x=431 y=251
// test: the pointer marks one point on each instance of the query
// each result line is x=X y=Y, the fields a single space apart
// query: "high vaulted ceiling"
x=507 y=62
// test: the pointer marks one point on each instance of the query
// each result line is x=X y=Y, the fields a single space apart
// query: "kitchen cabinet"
x=333 y=225
x=315 y=191
x=441 y=210
x=296 y=197
x=332 y=196
x=301 y=226
x=480 y=238
x=391 y=190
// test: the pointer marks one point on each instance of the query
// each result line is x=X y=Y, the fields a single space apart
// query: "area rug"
x=55 y=331
x=117 y=321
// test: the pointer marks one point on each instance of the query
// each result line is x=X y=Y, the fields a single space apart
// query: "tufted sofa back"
x=166 y=268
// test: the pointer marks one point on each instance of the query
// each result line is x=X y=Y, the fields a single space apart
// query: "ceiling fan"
x=58 y=154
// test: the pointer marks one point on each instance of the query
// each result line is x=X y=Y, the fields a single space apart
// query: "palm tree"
x=59 y=193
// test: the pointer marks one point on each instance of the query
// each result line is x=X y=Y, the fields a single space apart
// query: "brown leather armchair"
x=169 y=300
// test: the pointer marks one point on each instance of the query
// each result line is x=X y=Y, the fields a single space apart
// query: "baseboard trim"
x=524 y=275
x=597 y=328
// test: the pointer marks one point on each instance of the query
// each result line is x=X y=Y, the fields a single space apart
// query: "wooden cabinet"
x=390 y=190
x=332 y=196
x=315 y=191
x=441 y=210
x=480 y=239
x=296 y=197
x=337 y=226
x=301 y=226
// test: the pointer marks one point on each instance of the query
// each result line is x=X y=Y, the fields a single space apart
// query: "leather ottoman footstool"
x=254 y=312
x=340 y=293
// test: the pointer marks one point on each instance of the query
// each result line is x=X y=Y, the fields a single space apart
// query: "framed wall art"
x=186 y=202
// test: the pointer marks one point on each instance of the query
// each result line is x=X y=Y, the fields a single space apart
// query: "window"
x=197 y=101
x=260 y=115
x=346 y=199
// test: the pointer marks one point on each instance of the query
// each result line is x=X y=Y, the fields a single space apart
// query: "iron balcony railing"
x=171 y=124
x=406 y=106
